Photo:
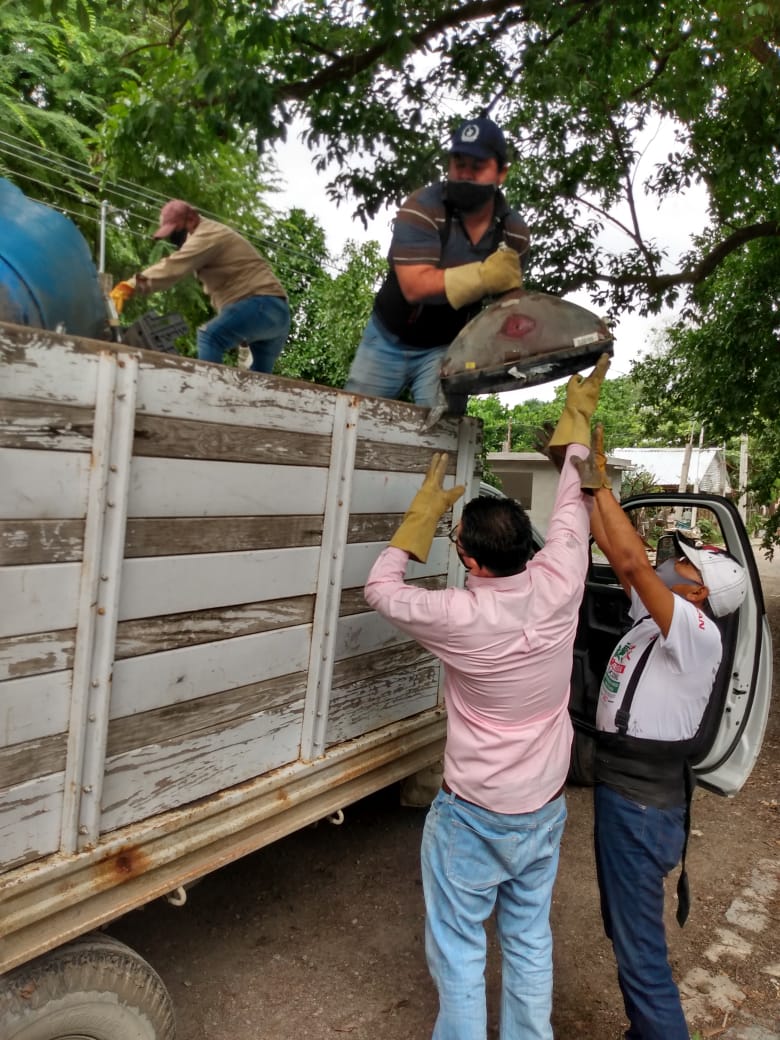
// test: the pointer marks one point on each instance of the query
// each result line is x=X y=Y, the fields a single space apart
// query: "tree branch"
x=659 y=283
x=765 y=55
x=352 y=64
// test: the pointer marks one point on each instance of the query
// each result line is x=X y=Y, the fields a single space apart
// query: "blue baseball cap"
x=481 y=138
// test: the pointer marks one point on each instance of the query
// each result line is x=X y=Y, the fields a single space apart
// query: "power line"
x=136 y=202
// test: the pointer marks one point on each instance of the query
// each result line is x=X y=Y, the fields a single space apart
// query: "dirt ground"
x=321 y=935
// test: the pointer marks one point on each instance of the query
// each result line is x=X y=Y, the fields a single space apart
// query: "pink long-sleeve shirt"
x=506 y=645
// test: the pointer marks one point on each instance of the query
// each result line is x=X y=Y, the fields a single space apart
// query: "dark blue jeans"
x=636 y=847
x=262 y=322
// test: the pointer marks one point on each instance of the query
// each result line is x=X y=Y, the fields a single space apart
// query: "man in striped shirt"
x=455 y=243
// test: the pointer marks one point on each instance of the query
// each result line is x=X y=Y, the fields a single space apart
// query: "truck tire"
x=94 y=988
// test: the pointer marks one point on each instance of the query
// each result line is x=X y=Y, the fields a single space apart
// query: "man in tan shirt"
x=250 y=302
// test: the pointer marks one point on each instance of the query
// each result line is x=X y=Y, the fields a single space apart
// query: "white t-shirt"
x=677 y=680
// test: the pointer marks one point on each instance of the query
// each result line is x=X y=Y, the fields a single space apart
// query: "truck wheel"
x=95 y=988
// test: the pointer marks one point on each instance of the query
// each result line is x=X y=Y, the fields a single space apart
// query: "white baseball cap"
x=724 y=577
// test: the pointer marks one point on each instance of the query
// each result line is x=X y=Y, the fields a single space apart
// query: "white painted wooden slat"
x=30 y=819
x=63 y=375
x=36 y=706
x=168 y=385
x=210 y=393
x=187 y=487
x=362 y=633
x=43 y=485
x=394 y=423
x=327 y=601
x=361 y=556
x=374 y=491
x=104 y=540
x=49 y=652
x=155 y=680
x=38 y=598
x=365 y=706
x=159 y=585
x=153 y=779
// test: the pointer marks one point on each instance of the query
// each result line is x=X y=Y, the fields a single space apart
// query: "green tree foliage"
x=68 y=72
x=627 y=420
x=374 y=82
x=638 y=482
x=181 y=93
x=331 y=316
x=722 y=363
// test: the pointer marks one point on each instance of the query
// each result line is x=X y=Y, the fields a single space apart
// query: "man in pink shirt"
x=492 y=835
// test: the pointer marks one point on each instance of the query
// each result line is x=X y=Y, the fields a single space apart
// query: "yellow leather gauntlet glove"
x=415 y=535
x=582 y=396
x=593 y=470
x=122 y=292
x=499 y=273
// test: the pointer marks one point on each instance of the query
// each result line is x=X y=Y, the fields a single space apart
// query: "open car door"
x=731 y=732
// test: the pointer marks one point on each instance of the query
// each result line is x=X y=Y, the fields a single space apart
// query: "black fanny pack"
x=648 y=771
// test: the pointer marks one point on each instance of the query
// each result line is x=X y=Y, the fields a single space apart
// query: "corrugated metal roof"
x=707 y=465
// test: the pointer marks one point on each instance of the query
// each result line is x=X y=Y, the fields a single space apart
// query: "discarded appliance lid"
x=523 y=339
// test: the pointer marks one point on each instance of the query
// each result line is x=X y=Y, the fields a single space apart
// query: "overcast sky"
x=671 y=226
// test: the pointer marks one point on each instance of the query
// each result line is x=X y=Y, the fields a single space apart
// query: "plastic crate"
x=156 y=332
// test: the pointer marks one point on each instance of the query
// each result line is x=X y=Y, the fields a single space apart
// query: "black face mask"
x=178 y=237
x=468 y=196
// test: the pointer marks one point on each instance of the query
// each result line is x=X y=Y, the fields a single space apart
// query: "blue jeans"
x=636 y=847
x=384 y=367
x=262 y=322
x=472 y=861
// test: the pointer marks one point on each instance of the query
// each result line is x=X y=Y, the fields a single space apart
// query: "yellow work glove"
x=593 y=470
x=499 y=273
x=582 y=396
x=122 y=292
x=415 y=535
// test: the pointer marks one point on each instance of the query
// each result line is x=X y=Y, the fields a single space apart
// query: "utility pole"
x=683 y=485
x=686 y=464
x=697 y=477
x=743 y=476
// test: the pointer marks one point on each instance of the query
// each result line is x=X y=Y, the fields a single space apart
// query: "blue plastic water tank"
x=47 y=277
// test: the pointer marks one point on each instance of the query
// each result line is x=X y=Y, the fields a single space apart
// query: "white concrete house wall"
x=707 y=469
x=531 y=478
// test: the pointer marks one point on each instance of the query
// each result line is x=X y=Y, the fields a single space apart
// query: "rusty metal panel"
x=66 y=896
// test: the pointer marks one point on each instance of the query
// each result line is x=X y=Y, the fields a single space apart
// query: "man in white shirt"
x=651 y=703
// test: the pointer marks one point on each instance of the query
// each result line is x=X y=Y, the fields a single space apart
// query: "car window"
x=657 y=526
